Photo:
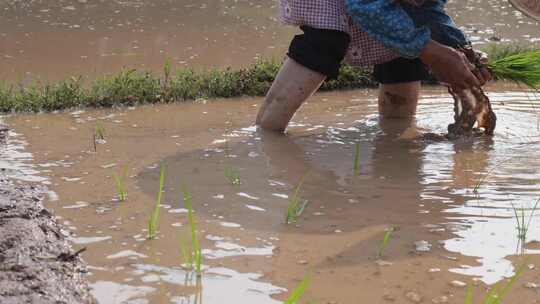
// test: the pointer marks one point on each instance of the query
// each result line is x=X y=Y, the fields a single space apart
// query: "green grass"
x=119 y=181
x=356 y=163
x=233 y=176
x=522 y=225
x=192 y=258
x=496 y=294
x=131 y=87
x=384 y=242
x=299 y=291
x=154 y=216
x=296 y=205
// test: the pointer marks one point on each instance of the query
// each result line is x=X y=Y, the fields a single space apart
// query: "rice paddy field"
x=190 y=203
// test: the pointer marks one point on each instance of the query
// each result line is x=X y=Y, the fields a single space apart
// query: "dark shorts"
x=323 y=51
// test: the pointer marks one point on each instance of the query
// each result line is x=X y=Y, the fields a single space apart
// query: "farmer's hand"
x=481 y=71
x=450 y=66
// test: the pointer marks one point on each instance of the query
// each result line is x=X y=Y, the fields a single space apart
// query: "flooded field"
x=51 y=40
x=451 y=206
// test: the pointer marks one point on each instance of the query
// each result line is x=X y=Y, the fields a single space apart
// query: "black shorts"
x=323 y=51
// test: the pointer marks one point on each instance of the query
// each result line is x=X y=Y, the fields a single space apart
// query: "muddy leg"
x=293 y=85
x=398 y=100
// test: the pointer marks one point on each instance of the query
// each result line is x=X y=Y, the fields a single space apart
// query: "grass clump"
x=296 y=206
x=119 y=181
x=299 y=291
x=192 y=258
x=131 y=87
x=154 y=216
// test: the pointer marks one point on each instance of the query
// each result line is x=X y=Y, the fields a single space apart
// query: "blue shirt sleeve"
x=387 y=22
x=443 y=29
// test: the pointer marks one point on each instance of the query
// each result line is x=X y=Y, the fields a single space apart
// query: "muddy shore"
x=37 y=265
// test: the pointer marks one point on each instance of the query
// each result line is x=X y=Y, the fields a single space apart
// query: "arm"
x=387 y=22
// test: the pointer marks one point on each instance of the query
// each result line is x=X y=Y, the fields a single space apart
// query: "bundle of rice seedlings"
x=516 y=64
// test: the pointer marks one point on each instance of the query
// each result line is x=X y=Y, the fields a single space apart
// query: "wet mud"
x=447 y=231
x=37 y=264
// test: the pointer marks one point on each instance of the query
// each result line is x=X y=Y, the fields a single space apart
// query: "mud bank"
x=37 y=265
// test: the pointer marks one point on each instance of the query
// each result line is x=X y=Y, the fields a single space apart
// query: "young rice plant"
x=154 y=216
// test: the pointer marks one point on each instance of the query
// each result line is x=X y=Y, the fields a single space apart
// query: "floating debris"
x=422 y=246
x=458 y=284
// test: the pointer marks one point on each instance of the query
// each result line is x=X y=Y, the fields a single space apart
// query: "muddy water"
x=49 y=40
x=424 y=190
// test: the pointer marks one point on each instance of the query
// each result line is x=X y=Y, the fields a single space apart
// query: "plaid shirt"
x=381 y=30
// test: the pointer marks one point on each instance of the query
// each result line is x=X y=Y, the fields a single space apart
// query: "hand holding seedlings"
x=449 y=66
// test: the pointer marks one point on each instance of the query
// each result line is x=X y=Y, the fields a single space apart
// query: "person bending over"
x=402 y=39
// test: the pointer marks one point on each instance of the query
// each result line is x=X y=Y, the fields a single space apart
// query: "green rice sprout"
x=299 y=291
x=356 y=165
x=195 y=256
x=154 y=217
x=469 y=295
x=187 y=255
x=522 y=225
x=100 y=132
x=233 y=176
x=119 y=181
x=296 y=206
x=488 y=174
x=167 y=70
x=517 y=64
x=98 y=136
x=385 y=241
x=496 y=294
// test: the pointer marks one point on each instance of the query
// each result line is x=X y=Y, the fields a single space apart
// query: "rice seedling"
x=98 y=135
x=522 y=225
x=167 y=69
x=192 y=258
x=299 y=291
x=233 y=176
x=385 y=241
x=119 y=181
x=482 y=180
x=154 y=216
x=296 y=206
x=516 y=64
x=100 y=132
x=496 y=294
x=356 y=164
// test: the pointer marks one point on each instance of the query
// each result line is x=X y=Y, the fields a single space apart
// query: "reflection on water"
x=218 y=285
x=56 y=39
x=15 y=161
x=504 y=171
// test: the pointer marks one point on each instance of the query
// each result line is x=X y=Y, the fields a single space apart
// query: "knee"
x=320 y=50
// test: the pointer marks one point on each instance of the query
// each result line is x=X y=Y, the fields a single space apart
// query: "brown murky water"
x=422 y=189
x=50 y=39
